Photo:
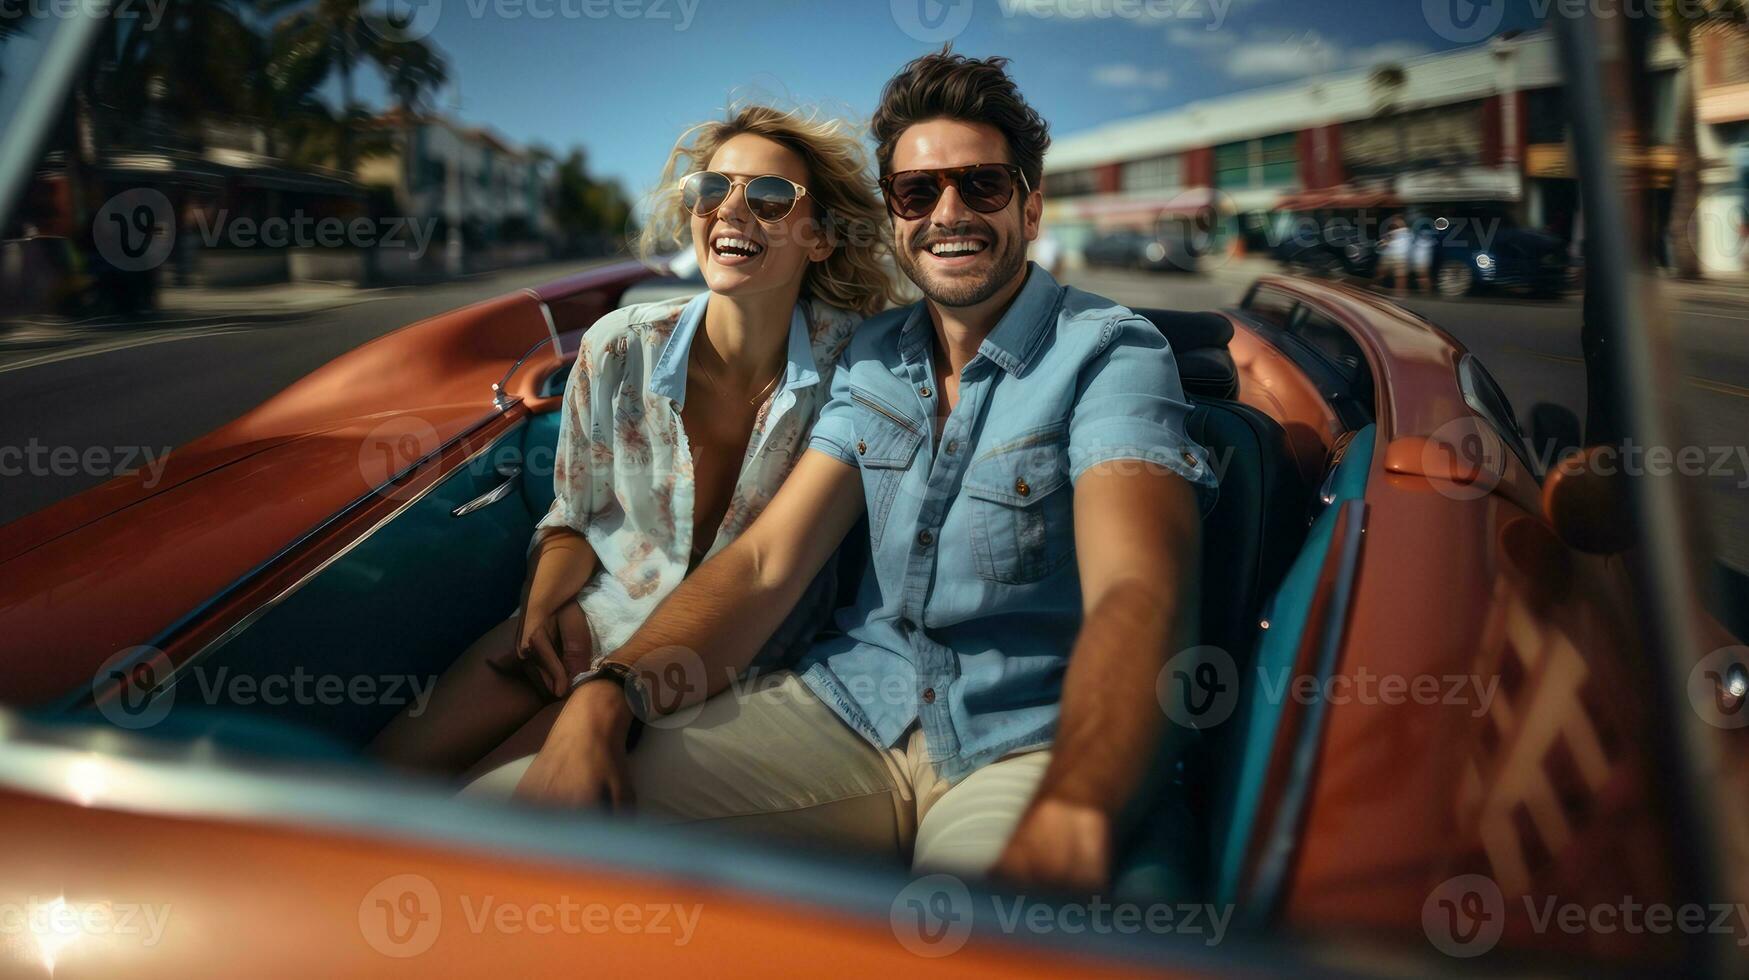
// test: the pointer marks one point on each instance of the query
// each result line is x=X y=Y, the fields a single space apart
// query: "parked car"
x=1476 y=251
x=1160 y=251
x=1325 y=244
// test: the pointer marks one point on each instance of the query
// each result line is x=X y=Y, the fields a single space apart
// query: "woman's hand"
x=583 y=762
x=550 y=647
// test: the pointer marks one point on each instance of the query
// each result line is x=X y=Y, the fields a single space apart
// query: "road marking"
x=91 y=350
x=1721 y=387
x=1685 y=311
x=1559 y=358
x=1707 y=384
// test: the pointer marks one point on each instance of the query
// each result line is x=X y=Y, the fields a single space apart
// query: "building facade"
x=1481 y=127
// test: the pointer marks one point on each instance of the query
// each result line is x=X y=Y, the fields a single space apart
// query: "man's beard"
x=966 y=291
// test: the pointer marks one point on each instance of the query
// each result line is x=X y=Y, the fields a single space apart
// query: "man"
x=1032 y=500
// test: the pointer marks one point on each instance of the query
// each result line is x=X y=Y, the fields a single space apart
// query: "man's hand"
x=583 y=762
x=1059 y=844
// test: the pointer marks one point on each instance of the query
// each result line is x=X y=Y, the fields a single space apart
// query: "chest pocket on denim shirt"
x=1022 y=507
x=886 y=442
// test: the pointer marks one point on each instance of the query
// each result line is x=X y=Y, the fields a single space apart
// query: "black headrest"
x=1199 y=340
x=1187 y=331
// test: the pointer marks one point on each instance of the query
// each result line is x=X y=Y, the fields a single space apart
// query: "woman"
x=681 y=417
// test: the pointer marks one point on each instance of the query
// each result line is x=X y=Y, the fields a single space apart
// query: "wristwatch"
x=629 y=681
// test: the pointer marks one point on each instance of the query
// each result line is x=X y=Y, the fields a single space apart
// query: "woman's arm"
x=552 y=638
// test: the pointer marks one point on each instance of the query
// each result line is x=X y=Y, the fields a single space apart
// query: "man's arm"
x=717 y=620
x=1137 y=541
x=725 y=611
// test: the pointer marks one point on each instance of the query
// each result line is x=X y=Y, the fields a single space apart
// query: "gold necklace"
x=758 y=398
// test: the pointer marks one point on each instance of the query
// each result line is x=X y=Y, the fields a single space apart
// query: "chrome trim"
x=254 y=615
x=511 y=473
x=502 y=399
x=1268 y=883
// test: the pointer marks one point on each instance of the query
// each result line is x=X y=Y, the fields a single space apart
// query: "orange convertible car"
x=1457 y=703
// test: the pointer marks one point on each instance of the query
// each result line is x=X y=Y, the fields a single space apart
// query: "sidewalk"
x=180 y=309
x=277 y=299
x=1730 y=290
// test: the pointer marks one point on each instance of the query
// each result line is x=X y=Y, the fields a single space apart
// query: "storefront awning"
x=1344 y=198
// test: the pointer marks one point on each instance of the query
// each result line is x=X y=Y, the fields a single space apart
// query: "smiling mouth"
x=956 y=247
x=731 y=245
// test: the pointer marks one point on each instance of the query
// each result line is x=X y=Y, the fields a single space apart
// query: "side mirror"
x=1587 y=504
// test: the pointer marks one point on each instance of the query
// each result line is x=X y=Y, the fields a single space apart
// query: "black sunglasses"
x=769 y=197
x=985 y=187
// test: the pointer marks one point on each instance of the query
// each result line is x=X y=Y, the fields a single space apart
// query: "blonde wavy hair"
x=859 y=274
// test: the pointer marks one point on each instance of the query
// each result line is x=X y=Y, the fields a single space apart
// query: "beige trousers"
x=772 y=759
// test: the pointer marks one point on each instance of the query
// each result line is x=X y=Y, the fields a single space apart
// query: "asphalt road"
x=117 y=394
x=140 y=392
x=1532 y=349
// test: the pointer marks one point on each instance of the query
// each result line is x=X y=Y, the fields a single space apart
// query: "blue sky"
x=623 y=77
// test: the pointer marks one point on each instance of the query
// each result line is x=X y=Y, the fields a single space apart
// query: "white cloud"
x=1305 y=54
x=1200 y=38
x=1131 y=76
x=1291 y=57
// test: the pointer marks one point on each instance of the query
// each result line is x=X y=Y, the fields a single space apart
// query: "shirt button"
x=925 y=392
x=953 y=445
x=1022 y=487
x=861 y=447
x=1189 y=459
x=929 y=695
x=925 y=537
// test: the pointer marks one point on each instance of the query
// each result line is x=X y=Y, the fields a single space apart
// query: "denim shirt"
x=971 y=601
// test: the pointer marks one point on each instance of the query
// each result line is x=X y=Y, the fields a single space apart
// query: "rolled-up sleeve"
x=582 y=462
x=1130 y=404
x=835 y=431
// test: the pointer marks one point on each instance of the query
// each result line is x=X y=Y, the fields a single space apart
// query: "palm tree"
x=1685 y=22
x=331 y=35
x=414 y=71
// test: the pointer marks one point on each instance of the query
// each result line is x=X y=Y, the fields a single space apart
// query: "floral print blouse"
x=623 y=472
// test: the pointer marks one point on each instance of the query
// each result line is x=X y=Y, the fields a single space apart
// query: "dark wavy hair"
x=944 y=85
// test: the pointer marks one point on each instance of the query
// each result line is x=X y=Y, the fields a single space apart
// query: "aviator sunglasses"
x=985 y=187
x=769 y=197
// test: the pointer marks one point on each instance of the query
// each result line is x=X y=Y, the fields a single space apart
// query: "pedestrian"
x=1394 y=254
